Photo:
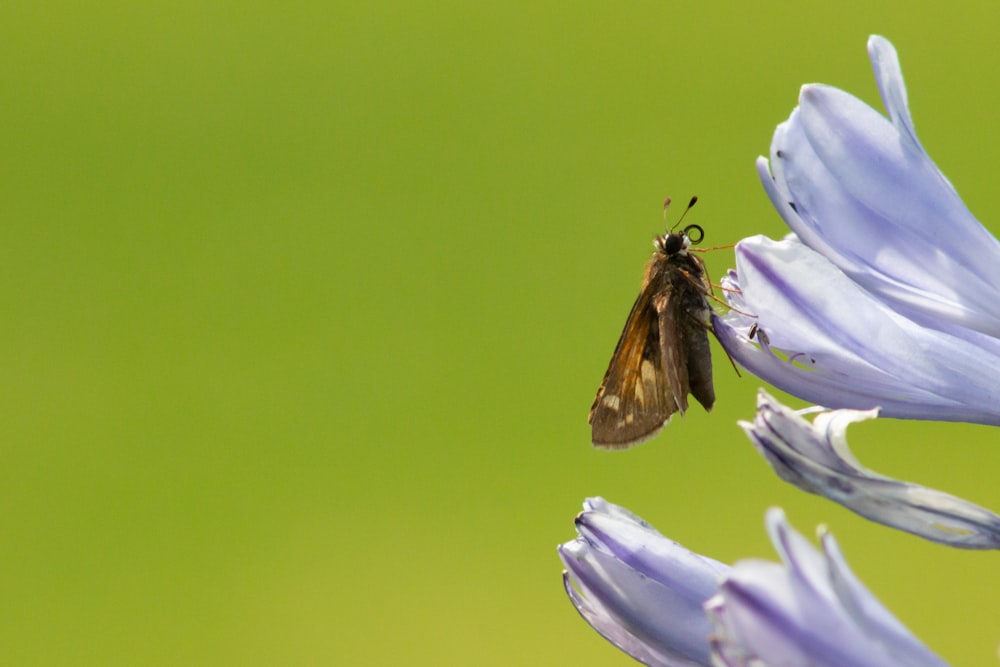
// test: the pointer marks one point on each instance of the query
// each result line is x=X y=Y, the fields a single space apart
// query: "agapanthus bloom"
x=667 y=606
x=887 y=294
x=808 y=610
x=643 y=592
x=815 y=458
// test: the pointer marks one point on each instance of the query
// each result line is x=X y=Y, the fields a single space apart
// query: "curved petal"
x=842 y=347
x=816 y=458
x=868 y=613
x=638 y=589
x=642 y=548
x=862 y=191
x=889 y=77
x=607 y=627
x=810 y=610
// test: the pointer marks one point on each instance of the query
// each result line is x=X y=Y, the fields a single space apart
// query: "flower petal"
x=868 y=613
x=843 y=347
x=864 y=193
x=889 y=76
x=643 y=549
x=609 y=608
x=638 y=589
x=810 y=611
x=608 y=628
x=815 y=458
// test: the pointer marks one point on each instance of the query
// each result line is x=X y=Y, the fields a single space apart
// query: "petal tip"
x=880 y=46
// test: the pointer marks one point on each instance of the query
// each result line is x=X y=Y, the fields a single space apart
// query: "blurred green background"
x=304 y=305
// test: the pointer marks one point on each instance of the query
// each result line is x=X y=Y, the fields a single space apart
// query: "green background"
x=304 y=305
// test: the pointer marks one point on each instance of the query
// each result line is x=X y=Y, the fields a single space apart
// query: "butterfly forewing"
x=635 y=400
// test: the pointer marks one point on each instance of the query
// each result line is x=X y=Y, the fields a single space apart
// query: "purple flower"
x=810 y=610
x=643 y=592
x=665 y=605
x=815 y=457
x=888 y=291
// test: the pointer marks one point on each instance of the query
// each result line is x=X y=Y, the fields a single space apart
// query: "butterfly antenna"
x=694 y=200
x=666 y=205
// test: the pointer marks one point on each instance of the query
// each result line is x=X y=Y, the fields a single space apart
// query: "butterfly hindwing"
x=675 y=363
x=693 y=323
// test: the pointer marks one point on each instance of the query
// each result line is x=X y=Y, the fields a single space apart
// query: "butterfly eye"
x=694 y=233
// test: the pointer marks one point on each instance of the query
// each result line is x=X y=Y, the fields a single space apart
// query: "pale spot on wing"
x=647 y=376
x=629 y=418
x=611 y=402
x=647 y=370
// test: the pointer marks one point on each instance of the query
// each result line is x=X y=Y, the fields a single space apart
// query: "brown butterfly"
x=663 y=353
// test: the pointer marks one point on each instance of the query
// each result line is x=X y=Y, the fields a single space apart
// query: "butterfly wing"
x=699 y=364
x=635 y=400
x=671 y=322
x=693 y=315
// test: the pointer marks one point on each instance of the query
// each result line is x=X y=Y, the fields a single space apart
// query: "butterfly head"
x=672 y=243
